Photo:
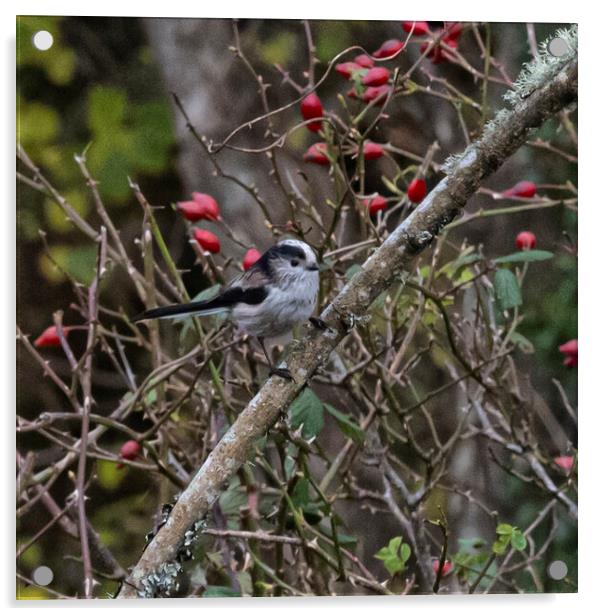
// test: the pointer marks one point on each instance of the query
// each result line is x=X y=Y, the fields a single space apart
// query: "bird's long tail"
x=202 y=308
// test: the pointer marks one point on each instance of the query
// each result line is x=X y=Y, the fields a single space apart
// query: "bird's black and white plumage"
x=276 y=293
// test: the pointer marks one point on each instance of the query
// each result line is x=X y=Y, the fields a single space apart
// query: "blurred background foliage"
x=69 y=103
x=99 y=90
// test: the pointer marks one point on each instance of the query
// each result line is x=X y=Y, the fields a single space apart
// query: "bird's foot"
x=284 y=373
x=318 y=323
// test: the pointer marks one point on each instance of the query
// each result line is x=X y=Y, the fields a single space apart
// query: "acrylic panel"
x=374 y=391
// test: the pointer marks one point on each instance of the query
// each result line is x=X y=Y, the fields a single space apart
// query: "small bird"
x=276 y=293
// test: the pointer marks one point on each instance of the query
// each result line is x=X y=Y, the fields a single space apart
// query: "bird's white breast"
x=290 y=302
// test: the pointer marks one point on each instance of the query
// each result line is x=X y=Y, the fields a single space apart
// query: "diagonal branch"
x=390 y=263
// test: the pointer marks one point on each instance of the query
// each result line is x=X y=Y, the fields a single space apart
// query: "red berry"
x=317 y=154
x=437 y=53
x=564 y=462
x=203 y=207
x=50 y=337
x=207 y=241
x=191 y=210
x=524 y=189
x=570 y=351
x=447 y=567
x=351 y=93
x=346 y=69
x=525 y=240
x=378 y=93
x=417 y=190
x=388 y=49
x=450 y=42
x=130 y=450
x=209 y=204
x=311 y=107
x=364 y=60
x=375 y=204
x=252 y=256
x=377 y=76
x=453 y=31
x=424 y=47
x=372 y=151
x=420 y=27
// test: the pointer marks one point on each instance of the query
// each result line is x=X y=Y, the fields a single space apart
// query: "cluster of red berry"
x=372 y=84
x=205 y=207
x=202 y=207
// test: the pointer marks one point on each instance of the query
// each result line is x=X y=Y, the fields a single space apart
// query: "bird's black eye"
x=294 y=262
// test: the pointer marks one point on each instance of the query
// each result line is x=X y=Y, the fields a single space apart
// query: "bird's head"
x=292 y=260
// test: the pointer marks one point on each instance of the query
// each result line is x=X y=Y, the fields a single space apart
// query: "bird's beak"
x=313 y=268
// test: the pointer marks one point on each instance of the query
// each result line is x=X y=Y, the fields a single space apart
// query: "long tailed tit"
x=276 y=293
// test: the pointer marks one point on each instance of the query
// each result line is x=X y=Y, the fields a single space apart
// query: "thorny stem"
x=86 y=406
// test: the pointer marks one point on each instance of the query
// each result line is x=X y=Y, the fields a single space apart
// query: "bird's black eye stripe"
x=290 y=251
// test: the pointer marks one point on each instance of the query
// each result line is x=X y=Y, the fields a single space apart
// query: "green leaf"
x=501 y=544
x=347 y=426
x=220 y=591
x=246 y=583
x=382 y=554
x=326 y=529
x=405 y=552
x=465 y=276
x=345 y=540
x=357 y=77
x=525 y=256
x=393 y=564
x=188 y=321
x=150 y=397
x=466 y=258
x=206 y=294
x=394 y=545
x=233 y=498
x=518 y=540
x=307 y=410
x=468 y=565
x=300 y=495
x=394 y=555
x=504 y=529
x=507 y=291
